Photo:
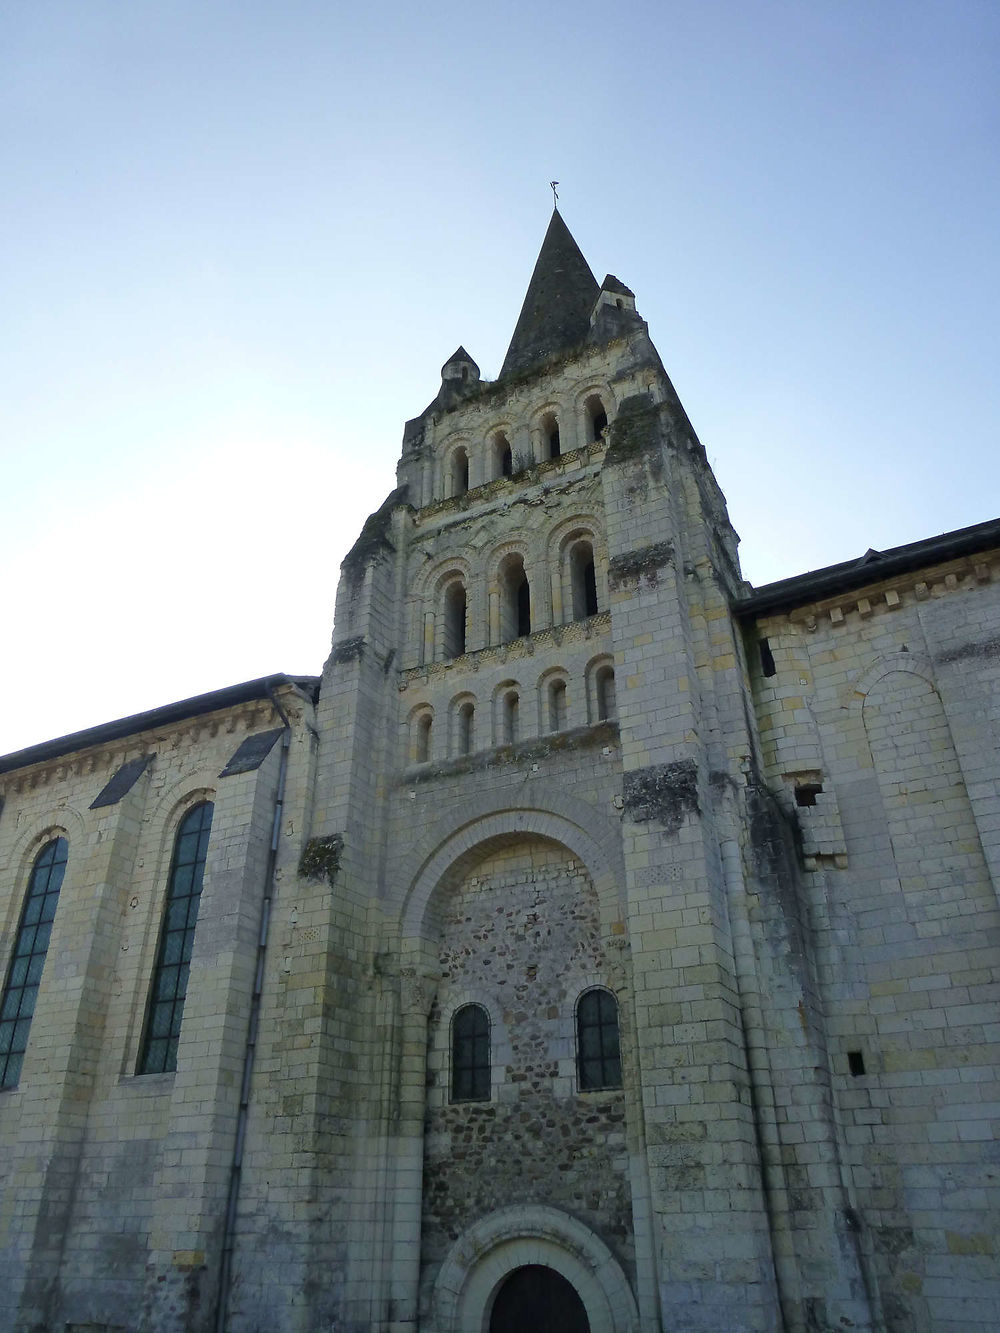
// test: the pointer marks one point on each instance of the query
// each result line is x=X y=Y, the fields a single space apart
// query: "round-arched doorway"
x=538 y=1299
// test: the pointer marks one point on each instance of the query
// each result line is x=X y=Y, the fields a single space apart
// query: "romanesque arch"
x=564 y=819
x=489 y=1251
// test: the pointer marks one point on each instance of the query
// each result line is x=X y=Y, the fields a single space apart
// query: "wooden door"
x=535 y=1299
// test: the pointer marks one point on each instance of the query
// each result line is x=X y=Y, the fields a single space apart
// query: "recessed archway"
x=482 y=1261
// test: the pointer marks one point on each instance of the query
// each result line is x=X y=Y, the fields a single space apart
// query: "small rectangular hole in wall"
x=855 y=1063
x=806 y=793
x=766 y=658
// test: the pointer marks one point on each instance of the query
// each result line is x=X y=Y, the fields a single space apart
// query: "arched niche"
x=482 y=1259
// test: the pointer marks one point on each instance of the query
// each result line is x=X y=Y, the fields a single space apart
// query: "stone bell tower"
x=533 y=743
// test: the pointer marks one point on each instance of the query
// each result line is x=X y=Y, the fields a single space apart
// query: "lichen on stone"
x=633 y=433
x=320 y=858
x=374 y=539
x=646 y=560
x=348 y=650
x=663 y=793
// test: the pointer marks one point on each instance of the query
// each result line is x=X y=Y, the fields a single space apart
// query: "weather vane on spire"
x=555 y=193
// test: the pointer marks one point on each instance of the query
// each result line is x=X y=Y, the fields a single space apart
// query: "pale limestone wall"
x=114 y=1182
x=888 y=699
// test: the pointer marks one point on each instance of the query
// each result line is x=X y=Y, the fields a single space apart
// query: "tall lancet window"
x=30 y=947
x=173 y=958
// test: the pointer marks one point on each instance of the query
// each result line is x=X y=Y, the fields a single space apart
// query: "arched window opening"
x=173 y=957
x=597 y=417
x=583 y=578
x=550 y=434
x=557 y=705
x=503 y=459
x=510 y=708
x=523 y=608
x=471 y=1071
x=454 y=619
x=422 y=738
x=598 y=1049
x=30 y=947
x=515 y=600
x=466 y=728
x=459 y=472
x=604 y=686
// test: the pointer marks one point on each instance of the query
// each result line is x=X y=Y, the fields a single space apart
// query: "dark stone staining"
x=321 y=858
x=534 y=751
x=634 y=433
x=349 y=650
x=775 y=851
x=893 y=1240
x=665 y=794
x=645 y=560
x=374 y=540
x=988 y=649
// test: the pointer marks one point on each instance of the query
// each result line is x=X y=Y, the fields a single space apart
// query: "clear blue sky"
x=239 y=239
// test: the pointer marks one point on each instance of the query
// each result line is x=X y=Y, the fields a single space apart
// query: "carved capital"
x=417 y=989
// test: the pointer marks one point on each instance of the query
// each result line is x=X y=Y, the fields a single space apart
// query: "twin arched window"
x=583 y=580
x=459 y=471
x=597 y=417
x=173 y=957
x=550 y=436
x=546 y=443
x=598 y=1048
x=503 y=459
x=30 y=948
x=455 y=618
x=557 y=705
x=604 y=694
x=515 y=599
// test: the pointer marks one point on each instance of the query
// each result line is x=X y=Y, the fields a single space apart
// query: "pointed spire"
x=556 y=311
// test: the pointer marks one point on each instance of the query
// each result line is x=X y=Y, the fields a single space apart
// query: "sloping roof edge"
x=874 y=567
x=155 y=717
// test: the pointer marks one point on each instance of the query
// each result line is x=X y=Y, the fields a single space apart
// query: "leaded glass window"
x=598 y=1053
x=28 y=959
x=173 y=958
x=470 y=1055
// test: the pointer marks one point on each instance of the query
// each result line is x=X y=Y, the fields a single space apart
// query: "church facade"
x=599 y=944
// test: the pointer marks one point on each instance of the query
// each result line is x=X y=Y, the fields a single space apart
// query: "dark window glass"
x=598 y=1055
x=470 y=1055
x=454 y=619
x=30 y=946
x=466 y=723
x=523 y=608
x=167 y=994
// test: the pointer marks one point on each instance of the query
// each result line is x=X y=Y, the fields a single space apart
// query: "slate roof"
x=555 y=316
x=156 y=717
x=613 y=284
x=458 y=358
x=872 y=567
